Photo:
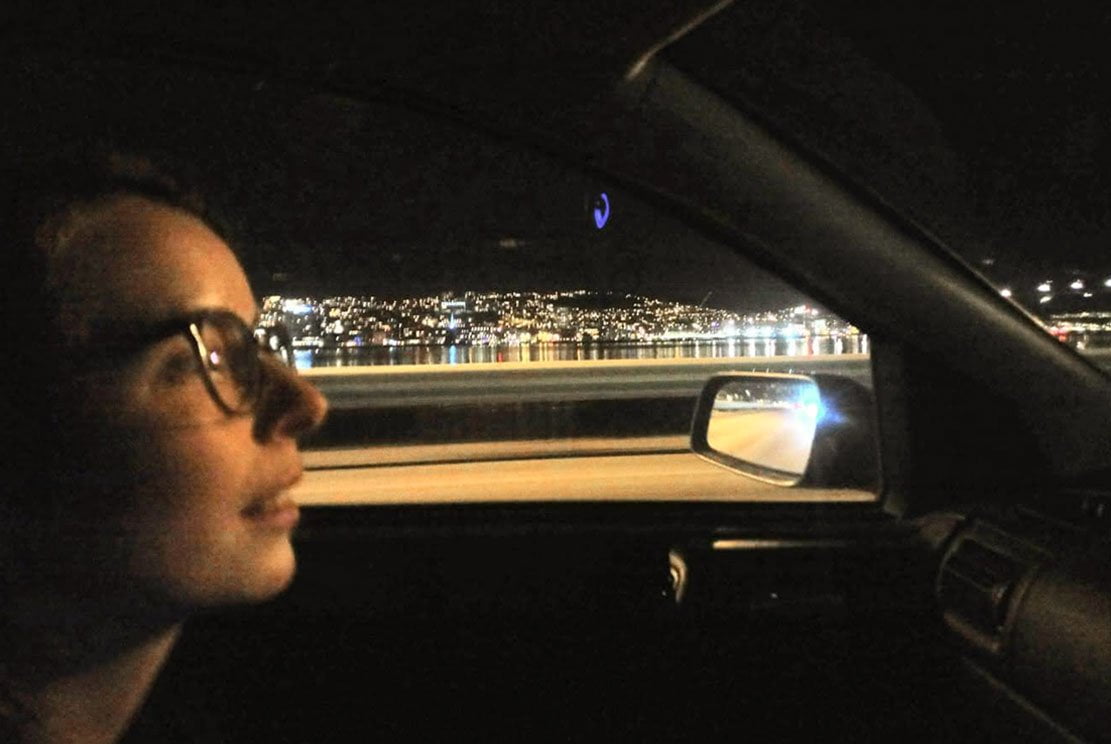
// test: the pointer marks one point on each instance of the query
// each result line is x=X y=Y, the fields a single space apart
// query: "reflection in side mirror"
x=789 y=430
x=768 y=423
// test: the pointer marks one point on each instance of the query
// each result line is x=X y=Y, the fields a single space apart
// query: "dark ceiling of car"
x=1001 y=110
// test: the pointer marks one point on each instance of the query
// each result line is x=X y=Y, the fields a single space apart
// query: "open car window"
x=459 y=297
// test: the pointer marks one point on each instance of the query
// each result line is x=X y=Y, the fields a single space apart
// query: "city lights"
x=1077 y=284
x=1005 y=292
x=1045 y=287
x=296 y=307
x=526 y=318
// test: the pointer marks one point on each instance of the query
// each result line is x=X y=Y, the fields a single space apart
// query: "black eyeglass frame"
x=191 y=326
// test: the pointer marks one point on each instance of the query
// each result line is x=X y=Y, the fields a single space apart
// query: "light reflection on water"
x=570 y=351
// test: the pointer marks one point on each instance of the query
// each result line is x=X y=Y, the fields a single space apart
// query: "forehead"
x=131 y=259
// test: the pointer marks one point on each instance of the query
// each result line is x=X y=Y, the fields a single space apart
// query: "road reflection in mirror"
x=766 y=423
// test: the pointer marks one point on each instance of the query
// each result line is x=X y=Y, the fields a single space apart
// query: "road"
x=776 y=439
x=653 y=469
x=564 y=469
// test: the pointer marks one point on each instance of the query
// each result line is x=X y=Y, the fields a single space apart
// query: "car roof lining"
x=442 y=46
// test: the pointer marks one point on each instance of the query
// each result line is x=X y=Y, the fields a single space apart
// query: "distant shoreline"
x=432 y=354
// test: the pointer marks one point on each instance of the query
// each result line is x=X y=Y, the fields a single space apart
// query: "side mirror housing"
x=813 y=431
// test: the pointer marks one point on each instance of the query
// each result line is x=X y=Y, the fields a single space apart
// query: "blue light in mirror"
x=809 y=400
x=813 y=405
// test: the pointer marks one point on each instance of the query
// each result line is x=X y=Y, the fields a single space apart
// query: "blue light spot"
x=302 y=358
x=810 y=402
x=601 y=216
x=809 y=398
x=295 y=307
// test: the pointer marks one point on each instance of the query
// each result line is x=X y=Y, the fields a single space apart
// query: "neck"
x=80 y=681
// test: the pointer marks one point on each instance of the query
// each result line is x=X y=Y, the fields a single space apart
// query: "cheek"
x=186 y=538
x=166 y=498
x=187 y=488
x=195 y=474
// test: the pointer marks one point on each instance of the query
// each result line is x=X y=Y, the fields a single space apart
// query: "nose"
x=289 y=405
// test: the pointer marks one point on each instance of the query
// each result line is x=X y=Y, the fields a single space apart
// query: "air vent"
x=975 y=588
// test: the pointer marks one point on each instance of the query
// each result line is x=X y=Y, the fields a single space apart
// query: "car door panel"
x=573 y=623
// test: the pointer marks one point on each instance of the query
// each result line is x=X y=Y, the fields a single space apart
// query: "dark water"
x=571 y=351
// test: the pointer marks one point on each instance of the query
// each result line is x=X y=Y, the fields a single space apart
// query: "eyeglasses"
x=228 y=352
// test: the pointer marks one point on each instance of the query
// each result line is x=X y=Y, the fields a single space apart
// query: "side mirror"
x=789 y=430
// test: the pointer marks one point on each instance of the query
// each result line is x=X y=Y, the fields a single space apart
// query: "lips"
x=280 y=512
x=276 y=508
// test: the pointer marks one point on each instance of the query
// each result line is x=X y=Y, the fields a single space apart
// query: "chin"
x=273 y=573
x=232 y=578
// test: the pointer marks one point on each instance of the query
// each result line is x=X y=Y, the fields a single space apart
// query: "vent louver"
x=975 y=588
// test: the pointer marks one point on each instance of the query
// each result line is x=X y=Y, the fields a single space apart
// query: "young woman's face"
x=195 y=503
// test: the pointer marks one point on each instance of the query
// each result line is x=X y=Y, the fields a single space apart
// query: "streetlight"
x=1045 y=287
x=1077 y=284
x=1005 y=292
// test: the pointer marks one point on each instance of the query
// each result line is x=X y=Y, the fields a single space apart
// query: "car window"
x=455 y=293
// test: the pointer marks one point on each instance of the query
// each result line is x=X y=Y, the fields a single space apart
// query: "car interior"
x=945 y=575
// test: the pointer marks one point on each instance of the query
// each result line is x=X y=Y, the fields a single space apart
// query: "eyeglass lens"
x=277 y=340
x=230 y=354
x=231 y=361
